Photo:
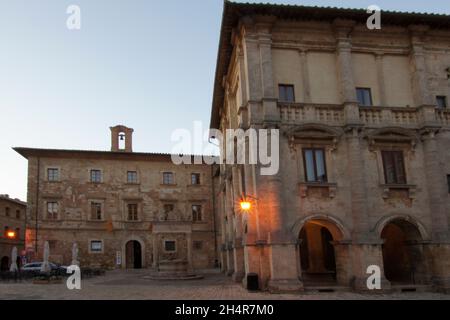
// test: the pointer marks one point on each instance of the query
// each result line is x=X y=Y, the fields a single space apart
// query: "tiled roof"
x=94 y=154
x=16 y=201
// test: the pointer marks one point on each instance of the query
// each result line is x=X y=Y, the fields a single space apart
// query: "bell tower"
x=121 y=139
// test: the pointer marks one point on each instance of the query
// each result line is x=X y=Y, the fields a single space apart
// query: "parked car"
x=35 y=267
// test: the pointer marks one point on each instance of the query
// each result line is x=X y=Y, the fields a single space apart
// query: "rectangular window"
x=52 y=244
x=17 y=214
x=96 y=211
x=286 y=93
x=314 y=163
x=132 y=177
x=132 y=211
x=196 y=212
x=198 y=245
x=170 y=246
x=195 y=178
x=52 y=210
x=448 y=182
x=96 y=246
x=7 y=210
x=168 y=207
x=52 y=174
x=394 y=168
x=96 y=176
x=441 y=102
x=168 y=178
x=364 y=96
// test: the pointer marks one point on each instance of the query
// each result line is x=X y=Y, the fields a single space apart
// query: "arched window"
x=122 y=140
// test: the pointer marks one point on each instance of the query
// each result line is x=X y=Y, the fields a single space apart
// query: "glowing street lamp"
x=11 y=234
x=245 y=205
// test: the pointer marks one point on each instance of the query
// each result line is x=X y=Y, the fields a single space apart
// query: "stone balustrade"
x=333 y=114
x=389 y=116
x=297 y=113
x=443 y=117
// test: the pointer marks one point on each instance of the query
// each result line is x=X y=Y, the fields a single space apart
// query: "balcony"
x=373 y=117
x=298 y=113
x=389 y=116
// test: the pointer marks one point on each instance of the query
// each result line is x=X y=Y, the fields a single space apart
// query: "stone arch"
x=4 y=263
x=401 y=217
x=404 y=255
x=322 y=253
x=124 y=250
x=336 y=227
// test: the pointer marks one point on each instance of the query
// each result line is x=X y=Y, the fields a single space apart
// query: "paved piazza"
x=132 y=285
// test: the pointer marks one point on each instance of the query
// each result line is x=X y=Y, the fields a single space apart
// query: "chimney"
x=121 y=139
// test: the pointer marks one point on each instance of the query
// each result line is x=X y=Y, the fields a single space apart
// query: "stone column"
x=189 y=252
x=155 y=252
x=230 y=235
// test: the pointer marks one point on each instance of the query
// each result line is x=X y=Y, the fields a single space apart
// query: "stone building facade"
x=12 y=228
x=364 y=146
x=124 y=209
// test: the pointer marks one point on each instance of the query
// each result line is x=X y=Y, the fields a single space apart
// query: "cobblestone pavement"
x=214 y=286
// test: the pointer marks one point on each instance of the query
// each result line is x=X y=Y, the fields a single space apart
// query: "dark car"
x=35 y=267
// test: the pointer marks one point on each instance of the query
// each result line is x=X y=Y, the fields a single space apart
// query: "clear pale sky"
x=145 y=64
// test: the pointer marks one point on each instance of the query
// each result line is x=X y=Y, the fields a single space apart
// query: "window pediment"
x=392 y=135
x=314 y=133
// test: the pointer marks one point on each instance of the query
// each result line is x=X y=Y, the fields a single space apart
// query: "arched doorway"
x=133 y=255
x=4 y=264
x=403 y=257
x=317 y=253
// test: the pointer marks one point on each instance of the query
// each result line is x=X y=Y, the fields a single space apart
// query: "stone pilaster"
x=381 y=78
x=305 y=75
x=155 y=246
x=243 y=108
x=365 y=255
x=238 y=252
x=229 y=227
x=356 y=173
x=435 y=182
x=282 y=255
x=421 y=93
x=343 y=29
x=189 y=252
x=262 y=105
